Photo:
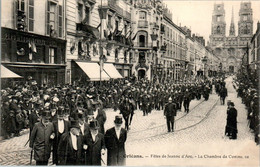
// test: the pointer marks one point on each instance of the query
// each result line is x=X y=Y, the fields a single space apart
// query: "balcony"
x=156 y=26
x=142 y=24
x=163 y=48
x=143 y=45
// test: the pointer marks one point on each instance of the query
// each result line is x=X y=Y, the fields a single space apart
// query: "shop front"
x=38 y=56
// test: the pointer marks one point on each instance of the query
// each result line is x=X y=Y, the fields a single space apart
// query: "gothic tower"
x=245 y=24
x=218 y=25
x=232 y=25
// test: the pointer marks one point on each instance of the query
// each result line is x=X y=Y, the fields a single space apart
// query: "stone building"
x=231 y=48
x=33 y=39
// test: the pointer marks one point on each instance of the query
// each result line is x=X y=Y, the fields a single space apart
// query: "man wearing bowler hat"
x=41 y=138
x=70 y=148
x=115 y=139
x=94 y=145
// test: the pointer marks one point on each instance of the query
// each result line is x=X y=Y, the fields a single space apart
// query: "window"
x=31 y=15
x=80 y=12
x=54 y=19
x=87 y=14
x=218 y=7
x=109 y=21
x=218 y=18
x=117 y=25
x=142 y=15
x=52 y=55
x=125 y=29
x=244 y=17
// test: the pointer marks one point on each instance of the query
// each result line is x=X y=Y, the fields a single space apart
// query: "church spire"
x=232 y=25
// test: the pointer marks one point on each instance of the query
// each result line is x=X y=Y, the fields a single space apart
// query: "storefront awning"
x=112 y=71
x=6 y=73
x=92 y=70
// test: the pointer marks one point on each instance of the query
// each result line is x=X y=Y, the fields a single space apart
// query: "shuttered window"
x=51 y=17
x=31 y=15
x=60 y=21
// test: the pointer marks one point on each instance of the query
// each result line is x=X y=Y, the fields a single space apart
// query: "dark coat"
x=66 y=154
x=93 y=153
x=232 y=120
x=170 y=110
x=40 y=141
x=115 y=147
x=101 y=118
x=33 y=118
x=57 y=138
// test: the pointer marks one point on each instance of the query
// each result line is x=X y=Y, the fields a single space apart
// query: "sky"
x=197 y=15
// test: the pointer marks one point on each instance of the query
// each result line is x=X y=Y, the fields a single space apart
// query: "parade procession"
x=124 y=83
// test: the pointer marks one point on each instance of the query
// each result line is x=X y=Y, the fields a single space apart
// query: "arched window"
x=142 y=41
x=218 y=30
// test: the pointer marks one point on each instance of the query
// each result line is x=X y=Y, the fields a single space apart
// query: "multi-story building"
x=146 y=27
x=33 y=39
x=254 y=53
x=98 y=29
x=231 y=49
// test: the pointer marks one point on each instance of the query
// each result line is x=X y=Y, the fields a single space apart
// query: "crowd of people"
x=246 y=86
x=68 y=120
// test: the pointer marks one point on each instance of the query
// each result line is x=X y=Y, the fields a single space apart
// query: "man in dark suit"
x=170 y=113
x=41 y=138
x=70 y=149
x=94 y=144
x=60 y=127
x=115 y=139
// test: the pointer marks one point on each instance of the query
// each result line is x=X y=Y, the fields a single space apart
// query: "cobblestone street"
x=198 y=132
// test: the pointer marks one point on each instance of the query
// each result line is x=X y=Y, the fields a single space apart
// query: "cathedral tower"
x=245 y=24
x=218 y=25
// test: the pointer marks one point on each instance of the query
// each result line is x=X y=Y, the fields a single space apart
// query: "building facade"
x=98 y=29
x=33 y=39
x=231 y=48
x=254 y=53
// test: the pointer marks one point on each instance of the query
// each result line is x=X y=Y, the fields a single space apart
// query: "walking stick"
x=27 y=142
x=31 y=156
x=85 y=157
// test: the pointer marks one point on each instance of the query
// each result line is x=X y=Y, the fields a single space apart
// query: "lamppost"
x=204 y=61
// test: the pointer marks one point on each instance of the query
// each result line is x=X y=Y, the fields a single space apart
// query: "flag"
x=134 y=36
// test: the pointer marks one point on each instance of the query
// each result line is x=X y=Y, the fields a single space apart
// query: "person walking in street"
x=60 y=127
x=93 y=145
x=41 y=139
x=232 y=121
x=70 y=148
x=115 y=139
x=223 y=94
x=170 y=113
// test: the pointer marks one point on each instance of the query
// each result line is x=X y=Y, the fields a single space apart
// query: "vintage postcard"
x=130 y=83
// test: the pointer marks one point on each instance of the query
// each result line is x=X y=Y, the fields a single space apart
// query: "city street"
x=198 y=138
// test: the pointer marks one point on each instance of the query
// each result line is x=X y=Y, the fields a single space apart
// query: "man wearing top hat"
x=94 y=145
x=83 y=124
x=41 y=138
x=70 y=148
x=60 y=127
x=115 y=139
x=170 y=112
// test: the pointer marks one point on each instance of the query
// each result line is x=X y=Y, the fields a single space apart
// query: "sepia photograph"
x=130 y=83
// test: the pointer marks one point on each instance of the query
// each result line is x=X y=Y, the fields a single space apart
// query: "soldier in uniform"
x=170 y=112
x=186 y=100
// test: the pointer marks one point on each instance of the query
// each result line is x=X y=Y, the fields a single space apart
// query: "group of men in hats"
x=71 y=144
x=248 y=90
